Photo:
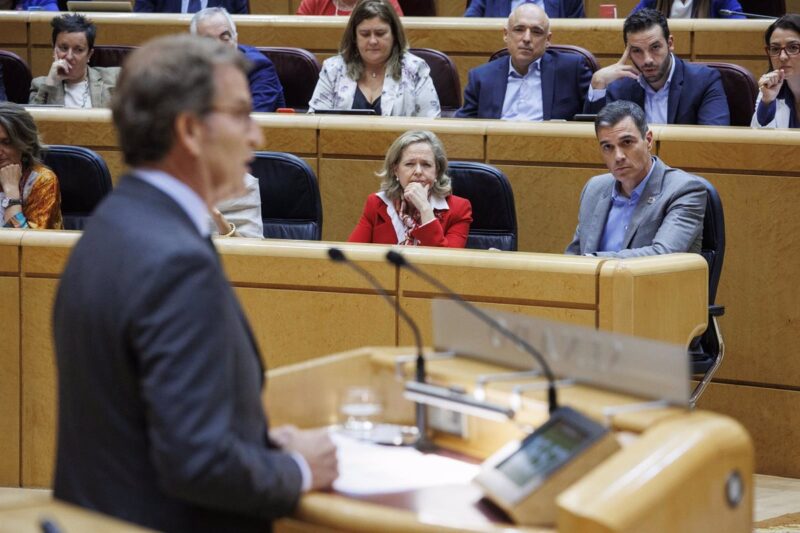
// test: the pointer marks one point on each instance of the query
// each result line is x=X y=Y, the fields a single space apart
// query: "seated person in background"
x=685 y=9
x=555 y=9
x=668 y=89
x=37 y=5
x=265 y=87
x=778 y=102
x=71 y=81
x=335 y=7
x=415 y=206
x=29 y=192
x=642 y=207
x=531 y=83
x=374 y=70
x=238 y=7
x=240 y=216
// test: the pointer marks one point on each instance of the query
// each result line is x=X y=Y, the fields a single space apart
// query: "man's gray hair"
x=163 y=79
x=208 y=13
x=617 y=111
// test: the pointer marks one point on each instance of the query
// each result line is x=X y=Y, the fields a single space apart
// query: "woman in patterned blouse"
x=29 y=193
x=374 y=69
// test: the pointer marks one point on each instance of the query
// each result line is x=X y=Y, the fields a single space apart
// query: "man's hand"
x=770 y=85
x=316 y=447
x=607 y=75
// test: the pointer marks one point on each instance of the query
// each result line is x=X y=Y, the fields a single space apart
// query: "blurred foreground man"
x=642 y=206
x=160 y=414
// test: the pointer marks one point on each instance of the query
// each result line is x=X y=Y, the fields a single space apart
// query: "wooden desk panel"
x=345 y=183
x=10 y=380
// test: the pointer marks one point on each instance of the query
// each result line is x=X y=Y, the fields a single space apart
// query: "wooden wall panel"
x=345 y=183
x=771 y=416
x=291 y=326
x=10 y=381
x=546 y=200
x=39 y=383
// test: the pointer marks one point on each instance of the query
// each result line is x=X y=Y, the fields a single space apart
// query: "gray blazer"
x=160 y=420
x=667 y=219
x=102 y=82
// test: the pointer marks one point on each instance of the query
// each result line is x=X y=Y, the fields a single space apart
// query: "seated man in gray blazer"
x=642 y=207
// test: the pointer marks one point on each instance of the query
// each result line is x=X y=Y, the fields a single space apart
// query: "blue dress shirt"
x=620 y=214
x=523 y=100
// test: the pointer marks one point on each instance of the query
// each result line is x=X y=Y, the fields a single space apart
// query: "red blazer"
x=449 y=230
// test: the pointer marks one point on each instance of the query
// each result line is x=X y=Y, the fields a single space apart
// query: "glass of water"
x=360 y=409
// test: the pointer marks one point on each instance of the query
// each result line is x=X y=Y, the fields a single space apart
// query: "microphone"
x=398 y=260
x=729 y=13
x=421 y=419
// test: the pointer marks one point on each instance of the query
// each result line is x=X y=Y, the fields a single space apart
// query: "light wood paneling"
x=293 y=326
x=38 y=383
x=771 y=416
x=10 y=381
x=346 y=183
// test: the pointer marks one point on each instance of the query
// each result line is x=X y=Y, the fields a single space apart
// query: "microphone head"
x=336 y=255
x=395 y=258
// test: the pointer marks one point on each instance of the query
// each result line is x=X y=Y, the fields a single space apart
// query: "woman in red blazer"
x=415 y=206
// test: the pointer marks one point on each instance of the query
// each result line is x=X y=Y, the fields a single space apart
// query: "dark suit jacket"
x=3 y=96
x=565 y=81
x=160 y=417
x=265 y=87
x=502 y=8
x=696 y=96
x=451 y=231
x=667 y=219
x=716 y=5
x=234 y=7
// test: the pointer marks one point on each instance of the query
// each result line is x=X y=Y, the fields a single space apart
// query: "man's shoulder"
x=562 y=59
x=253 y=54
x=492 y=68
x=696 y=71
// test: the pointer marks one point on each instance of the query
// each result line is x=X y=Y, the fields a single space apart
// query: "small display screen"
x=542 y=452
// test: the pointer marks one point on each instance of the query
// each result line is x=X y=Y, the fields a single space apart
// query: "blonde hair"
x=391 y=186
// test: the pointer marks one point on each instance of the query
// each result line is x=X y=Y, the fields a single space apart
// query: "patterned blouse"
x=41 y=199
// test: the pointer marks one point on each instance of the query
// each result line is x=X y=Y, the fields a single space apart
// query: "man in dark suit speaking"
x=160 y=414
x=530 y=83
x=642 y=206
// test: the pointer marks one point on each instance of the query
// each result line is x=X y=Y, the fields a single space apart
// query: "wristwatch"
x=5 y=203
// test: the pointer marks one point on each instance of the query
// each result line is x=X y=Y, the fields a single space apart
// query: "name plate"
x=633 y=365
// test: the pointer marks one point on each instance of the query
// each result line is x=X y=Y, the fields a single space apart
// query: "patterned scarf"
x=410 y=217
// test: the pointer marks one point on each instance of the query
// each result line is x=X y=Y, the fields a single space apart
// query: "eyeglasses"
x=792 y=49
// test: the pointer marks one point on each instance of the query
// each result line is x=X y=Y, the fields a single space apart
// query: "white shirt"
x=681 y=9
x=523 y=100
x=516 y=3
x=77 y=94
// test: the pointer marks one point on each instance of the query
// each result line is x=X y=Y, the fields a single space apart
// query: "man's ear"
x=670 y=44
x=649 y=138
x=189 y=133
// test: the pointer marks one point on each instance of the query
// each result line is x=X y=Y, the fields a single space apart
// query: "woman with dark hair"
x=374 y=70
x=71 y=81
x=778 y=101
x=415 y=206
x=685 y=9
x=29 y=193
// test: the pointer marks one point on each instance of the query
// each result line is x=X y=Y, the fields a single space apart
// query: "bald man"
x=531 y=82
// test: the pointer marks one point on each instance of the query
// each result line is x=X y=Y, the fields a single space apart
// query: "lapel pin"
x=651 y=200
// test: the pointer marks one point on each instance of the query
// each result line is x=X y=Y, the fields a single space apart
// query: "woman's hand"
x=770 y=85
x=59 y=70
x=10 y=176
x=417 y=194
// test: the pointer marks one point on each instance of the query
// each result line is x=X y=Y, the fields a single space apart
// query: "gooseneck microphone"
x=398 y=260
x=729 y=13
x=421 y=413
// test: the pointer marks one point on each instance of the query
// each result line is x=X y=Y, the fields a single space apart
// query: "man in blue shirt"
x=531 y=82
x=265 y=87
x=670 y=90
x=642 y=207
x=502 y=8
